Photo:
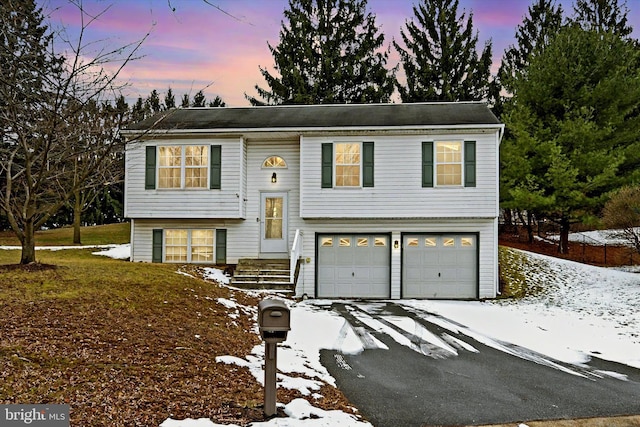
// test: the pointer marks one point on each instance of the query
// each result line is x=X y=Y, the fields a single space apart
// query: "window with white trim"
x=274 y=162
x=183 y=166
x=189 y=245
x=449 y=163
x=347 y=164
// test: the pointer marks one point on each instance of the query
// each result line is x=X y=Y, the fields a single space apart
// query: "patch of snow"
x=216 y=275
x=113 y=251
x=227 y=303
x=299 y=411
x=116 y=252
x=596 y=237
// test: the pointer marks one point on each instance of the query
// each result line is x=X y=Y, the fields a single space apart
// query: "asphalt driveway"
x=435 y=376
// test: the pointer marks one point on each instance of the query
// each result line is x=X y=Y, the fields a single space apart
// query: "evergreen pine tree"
x=217 y=102
x=329 y=52
x=440 y=59
x=199 y=99
x=537 y=29
x=185 y=103
x=575 y=125
x=153 y=102
x=169 y=100
x=603 y=15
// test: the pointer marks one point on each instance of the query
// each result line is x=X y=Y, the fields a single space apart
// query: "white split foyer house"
x=382 y=201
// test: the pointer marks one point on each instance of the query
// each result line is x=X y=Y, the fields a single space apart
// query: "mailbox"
x=273 y=320
x=274 y=323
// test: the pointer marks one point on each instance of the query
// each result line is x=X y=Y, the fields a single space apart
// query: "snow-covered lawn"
x=582 y=312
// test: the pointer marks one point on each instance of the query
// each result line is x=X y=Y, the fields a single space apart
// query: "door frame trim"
x=285 y=225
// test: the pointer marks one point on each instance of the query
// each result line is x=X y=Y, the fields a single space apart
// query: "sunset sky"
x=219 y=49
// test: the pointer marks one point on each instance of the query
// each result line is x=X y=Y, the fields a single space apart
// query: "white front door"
x=273 y=222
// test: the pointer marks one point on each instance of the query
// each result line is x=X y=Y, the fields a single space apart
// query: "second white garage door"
x=353 y=266
x=440 y=266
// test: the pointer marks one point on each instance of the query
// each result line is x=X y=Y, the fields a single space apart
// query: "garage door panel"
x=439 y=266
x=360 y=265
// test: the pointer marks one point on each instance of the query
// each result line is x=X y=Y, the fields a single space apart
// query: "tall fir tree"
x=185 y=103
x=537 y=29
x=603 y=15
x=217 y=102
x=329 y=52
x=199 y=100
x=153 y=102
x=169 y=100
x=575 y=125
x=439 y=57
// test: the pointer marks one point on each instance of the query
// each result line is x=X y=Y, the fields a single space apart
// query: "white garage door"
x=440 y=266
x=353 y=266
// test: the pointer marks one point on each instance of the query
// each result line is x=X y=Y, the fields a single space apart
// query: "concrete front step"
x=262 y=277
x=262 y=274
x=253 y=285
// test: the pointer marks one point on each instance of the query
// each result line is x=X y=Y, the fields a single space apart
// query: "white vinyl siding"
x=196 y=202
x=398 y=191
x=242 y=241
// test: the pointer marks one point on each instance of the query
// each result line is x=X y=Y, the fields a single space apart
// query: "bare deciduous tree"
x=57 y=138
x=622 y=212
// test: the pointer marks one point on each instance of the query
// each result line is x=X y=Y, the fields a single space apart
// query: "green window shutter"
x=221 y=246
x=427 y=164
x=367 y=164
x=469 y=163
x=327 y=165
x=156 y=253
x=215 y=180
x=150 y=169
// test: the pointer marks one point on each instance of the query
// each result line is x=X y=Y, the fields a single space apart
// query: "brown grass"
x=126 y=343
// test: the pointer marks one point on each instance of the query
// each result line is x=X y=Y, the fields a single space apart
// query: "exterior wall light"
x=396 y=244
x=274 y=178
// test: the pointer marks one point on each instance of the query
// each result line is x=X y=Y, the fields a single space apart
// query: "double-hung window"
x=183 y=166
x=449 y=164
x=347 y=165
x=183 y=245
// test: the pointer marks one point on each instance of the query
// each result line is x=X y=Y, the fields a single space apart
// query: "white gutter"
x=499 y=127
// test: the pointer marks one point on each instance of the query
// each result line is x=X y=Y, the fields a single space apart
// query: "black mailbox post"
x=274 y=322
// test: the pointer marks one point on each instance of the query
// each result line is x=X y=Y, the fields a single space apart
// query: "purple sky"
x=197 y=46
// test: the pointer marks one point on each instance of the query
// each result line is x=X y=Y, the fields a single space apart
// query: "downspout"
x=131 y=240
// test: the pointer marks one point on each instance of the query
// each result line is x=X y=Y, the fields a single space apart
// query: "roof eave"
x=301 y=130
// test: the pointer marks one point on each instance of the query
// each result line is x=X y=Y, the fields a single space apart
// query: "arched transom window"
x=274 y=162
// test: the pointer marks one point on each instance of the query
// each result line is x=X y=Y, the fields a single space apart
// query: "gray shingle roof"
x=322 y=116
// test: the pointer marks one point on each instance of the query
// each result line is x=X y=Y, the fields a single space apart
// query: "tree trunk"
x=563 y=244
x=28 y=244
x=529 y=227
x=77 y=216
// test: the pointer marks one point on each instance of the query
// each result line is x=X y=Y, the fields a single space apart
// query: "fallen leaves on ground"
x=136 y=363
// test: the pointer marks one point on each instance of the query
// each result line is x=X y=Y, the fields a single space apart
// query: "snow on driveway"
x=582 y=311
